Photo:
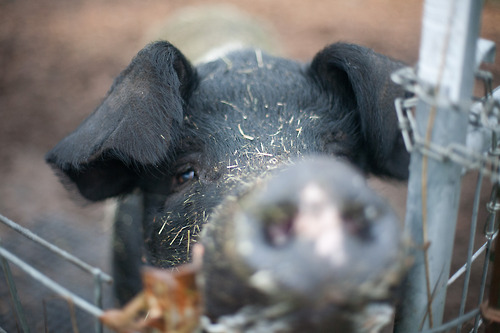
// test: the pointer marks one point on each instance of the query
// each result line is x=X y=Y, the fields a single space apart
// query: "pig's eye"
x=184 y=177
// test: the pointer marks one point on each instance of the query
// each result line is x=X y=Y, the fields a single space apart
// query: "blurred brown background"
x=58 y=59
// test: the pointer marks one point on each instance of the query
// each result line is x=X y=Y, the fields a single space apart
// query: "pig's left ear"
x=359 y=80
x=136 y=126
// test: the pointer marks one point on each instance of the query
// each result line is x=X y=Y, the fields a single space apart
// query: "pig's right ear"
x=358 y=79
x=136 y=126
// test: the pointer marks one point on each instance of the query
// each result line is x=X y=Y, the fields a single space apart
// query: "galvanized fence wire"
x=484 y=119
x=7 y=257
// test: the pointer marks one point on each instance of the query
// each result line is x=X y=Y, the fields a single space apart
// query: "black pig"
x=182 y=139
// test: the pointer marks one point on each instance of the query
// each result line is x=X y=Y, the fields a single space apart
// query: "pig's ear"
x=136 y=126
x=359 y=80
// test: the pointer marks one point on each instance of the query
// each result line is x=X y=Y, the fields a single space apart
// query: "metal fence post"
x=450 y=29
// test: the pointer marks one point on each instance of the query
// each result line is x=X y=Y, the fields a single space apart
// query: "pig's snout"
x=314 y=236
x=316 y=218
x=317 y=231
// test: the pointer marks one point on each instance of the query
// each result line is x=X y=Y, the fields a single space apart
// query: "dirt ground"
x=57 y=60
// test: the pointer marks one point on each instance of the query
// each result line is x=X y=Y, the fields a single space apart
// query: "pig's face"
x=189 y=137
x=244 y=118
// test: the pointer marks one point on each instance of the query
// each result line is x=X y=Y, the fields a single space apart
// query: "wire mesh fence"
x=47 y=288
x=482 y=233
x=64 y=300
x=434 y=126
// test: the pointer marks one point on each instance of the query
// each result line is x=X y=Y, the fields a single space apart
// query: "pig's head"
x=188 y=137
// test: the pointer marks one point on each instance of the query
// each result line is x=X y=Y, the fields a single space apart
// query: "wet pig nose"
x=313 y=234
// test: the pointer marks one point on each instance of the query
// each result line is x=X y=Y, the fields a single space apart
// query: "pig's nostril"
x=278 y=223
x=279 y=233
x=357 y=221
